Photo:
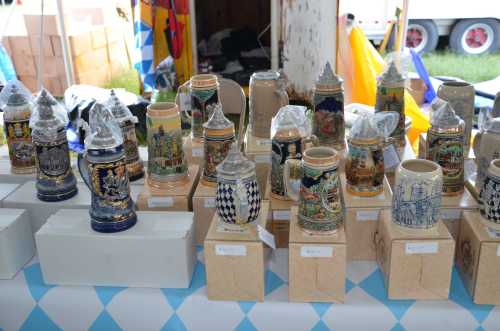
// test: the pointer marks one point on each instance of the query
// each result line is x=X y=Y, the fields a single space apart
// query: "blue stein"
x=55 y=178
x=104 y=170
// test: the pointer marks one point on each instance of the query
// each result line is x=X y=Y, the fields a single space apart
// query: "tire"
x=475 y=36
x=422 y=35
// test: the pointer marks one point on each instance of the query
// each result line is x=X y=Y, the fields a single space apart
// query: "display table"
x=25 y=302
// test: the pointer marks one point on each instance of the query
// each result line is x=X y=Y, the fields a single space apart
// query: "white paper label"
x=391 y=157
x=156 y=202
x=367 y=215
x=263 y=142
x=196 y=152
x=185 y=101
x=262 y=158
x=209 y=203
x=498 y=250
x=281 y=215
x=316 y=251
x=422 y=248
x=493 y=233
x=266 y=237
x=231 y=250
x=451 y=214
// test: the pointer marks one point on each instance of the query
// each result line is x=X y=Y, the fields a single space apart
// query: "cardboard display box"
x=235 y=262
x=153 y=253
x=6 y=189
x=204 y=209
x=279 y=217
x=259 y=151
x=452 y=208
x=416 y=264
x=361 y=222
x=478 y=259
x=17 y=246
x=175 y=198
x=193 y=151
x=316 y=265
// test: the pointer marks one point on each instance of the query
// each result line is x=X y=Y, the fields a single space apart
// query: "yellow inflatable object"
x=367 y=66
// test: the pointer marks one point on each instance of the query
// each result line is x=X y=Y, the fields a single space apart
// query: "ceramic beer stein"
x=489 y=196
x=237 y=198
x=204 y=94
x=288 y=141
x=328 y=104
x=218 y=137
x=16 y=118
x=364 y=166
x=391 y=97
x=486 y=148
x=416 y=201
x=460 y=95
x=104 y=170
x=445 y=146
x=321 y=204
x=495 y=111
x=267 y=95
x=166 y=160
x=55 y=178
x=127 y=121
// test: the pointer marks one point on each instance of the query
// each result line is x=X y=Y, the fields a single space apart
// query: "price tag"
x=367 y=215
x=451 y=214
x=185 y=101
x=197 y=152
x=266 y=237
x=263 y=142
x=498 y=250
x=391 y=157
x=231 y=250
x=493 y=233
x=261 y=158
x=281 y=215
x=156 y=202
x=209 y=203
x=316 y=251
x=422 y=248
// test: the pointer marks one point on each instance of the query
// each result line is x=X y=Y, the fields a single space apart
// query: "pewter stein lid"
x=235 y=164
x=328 y=81
x=266 y=75
x=492 y=125
x=291 y=121
x=373 y=127
x=218 y=121
x=364 y=129
x=391 y=75
x=14 y=94
x=105 y=132
x=119 y=110
x=48 y=117
x=445 y=118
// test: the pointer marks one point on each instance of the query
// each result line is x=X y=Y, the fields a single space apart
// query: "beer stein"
x=489 y=196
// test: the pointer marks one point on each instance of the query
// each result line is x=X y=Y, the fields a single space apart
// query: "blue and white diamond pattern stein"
x=237 y=198
x=489 y=196
x=104 y=170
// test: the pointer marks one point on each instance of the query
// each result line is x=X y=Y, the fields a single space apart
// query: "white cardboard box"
x=5 y=190
x=6 y=175
x=17 y=246
x=39 y=211
x=157 y=252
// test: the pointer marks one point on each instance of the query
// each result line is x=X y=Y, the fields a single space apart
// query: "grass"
x=128 y=79
x=473 y=69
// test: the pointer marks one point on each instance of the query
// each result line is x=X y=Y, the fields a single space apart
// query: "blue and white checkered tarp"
x=26 y=303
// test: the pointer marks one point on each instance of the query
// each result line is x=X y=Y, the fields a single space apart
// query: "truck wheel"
x=422 y=35
x=475 y=36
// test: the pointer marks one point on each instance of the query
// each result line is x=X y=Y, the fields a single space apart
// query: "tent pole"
x=68 y=62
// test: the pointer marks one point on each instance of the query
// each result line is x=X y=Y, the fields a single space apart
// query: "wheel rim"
x=416 y=37
x=477 y=38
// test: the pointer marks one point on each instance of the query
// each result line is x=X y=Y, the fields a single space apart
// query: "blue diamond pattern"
x=320 y=326
x=349 y=285
x=398 y=327
x=104 y=322
x=272 y=282
x=480 y=328
x=38 y=320
x=459 y=295
x=107 y=293
x=374 y=285
x=174 y=324
x=321 y=308
x=246 y=306
x=246 y=325
x=176 y=296
x=34 y=279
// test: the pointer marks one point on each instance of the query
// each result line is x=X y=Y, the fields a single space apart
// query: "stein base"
x=378 y=191
x=416 y=231
x=112 y=227
x=23 y=171
x=208 y=183
x=176 y=181
x=320 y=233
x=57 y=197
x=133 y=178
x=450 y=194
x=279 y=197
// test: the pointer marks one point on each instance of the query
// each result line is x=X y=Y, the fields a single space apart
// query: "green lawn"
x=128 y=80
x=472 y=69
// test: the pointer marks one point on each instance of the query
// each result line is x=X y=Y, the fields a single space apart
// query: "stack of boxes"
x=98 y=53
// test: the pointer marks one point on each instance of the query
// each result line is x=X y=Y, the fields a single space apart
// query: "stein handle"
x=281 y=91
x=476 y=144
x=311 y=141
x=296 y=166
x=180 y=90
x=241 y=203
x=83 y=168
